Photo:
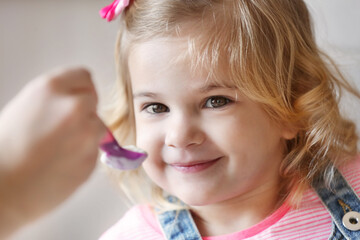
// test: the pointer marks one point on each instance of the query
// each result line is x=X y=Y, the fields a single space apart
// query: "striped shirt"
x=310 y=221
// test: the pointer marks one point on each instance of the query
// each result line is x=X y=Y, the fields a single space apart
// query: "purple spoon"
x=117 y=157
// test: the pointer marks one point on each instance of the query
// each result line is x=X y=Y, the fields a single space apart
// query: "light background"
x=36 y=36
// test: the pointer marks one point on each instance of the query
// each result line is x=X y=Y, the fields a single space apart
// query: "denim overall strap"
x=340 y=200
x=178 y=225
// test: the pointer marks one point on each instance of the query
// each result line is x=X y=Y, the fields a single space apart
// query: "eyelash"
x=227 y=101
x=147 y=106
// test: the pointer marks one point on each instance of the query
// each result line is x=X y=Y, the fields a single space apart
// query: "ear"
x=289 y=132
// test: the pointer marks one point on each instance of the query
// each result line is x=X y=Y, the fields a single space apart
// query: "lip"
x=194 y=167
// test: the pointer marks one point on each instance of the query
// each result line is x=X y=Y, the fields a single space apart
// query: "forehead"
x=159 y=56
x=157 y=51
x=156 y=65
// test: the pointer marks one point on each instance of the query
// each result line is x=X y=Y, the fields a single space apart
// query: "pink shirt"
x=310 y=221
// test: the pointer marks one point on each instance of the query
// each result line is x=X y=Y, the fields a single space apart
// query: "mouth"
x=194 y=167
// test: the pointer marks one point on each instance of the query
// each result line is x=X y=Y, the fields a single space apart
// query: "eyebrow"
x=204 y=89
x=208 y=88
x=145 y=94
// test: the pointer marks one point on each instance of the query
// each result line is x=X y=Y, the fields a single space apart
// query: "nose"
x=184 y=131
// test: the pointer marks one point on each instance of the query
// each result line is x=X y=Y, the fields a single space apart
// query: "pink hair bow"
x=113 y=10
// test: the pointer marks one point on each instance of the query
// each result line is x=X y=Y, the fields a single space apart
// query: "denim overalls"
x=341 y=201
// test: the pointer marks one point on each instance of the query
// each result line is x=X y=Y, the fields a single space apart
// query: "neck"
x=238 y=213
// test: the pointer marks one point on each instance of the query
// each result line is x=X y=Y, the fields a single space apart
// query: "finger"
x=70 y=80
x=93 y=130
x=101 y=129
x=82 y=107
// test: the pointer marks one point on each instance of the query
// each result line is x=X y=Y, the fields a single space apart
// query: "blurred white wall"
x=37 y=35
x=338 y=33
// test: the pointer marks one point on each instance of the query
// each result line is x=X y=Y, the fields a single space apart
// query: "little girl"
x=237 y=109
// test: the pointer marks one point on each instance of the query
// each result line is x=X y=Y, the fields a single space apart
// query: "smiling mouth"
x=194 y=167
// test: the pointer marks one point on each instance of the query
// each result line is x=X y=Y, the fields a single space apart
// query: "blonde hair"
x=269 y=51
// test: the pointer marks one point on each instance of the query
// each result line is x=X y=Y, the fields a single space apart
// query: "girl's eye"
x=217 y=102
x=156 y=108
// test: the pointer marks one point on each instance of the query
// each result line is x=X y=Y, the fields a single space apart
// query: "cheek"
x=150 y=141
x=145 y=139
x=148 y=137
x=230 y=130
x=245 y=135
x=143 y=133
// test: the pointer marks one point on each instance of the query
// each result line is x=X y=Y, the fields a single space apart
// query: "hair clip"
x=113 y=10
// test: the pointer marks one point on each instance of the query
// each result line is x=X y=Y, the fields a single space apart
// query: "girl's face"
x=206 y=143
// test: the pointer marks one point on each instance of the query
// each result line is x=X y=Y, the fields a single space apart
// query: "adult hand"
x=49 y=136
